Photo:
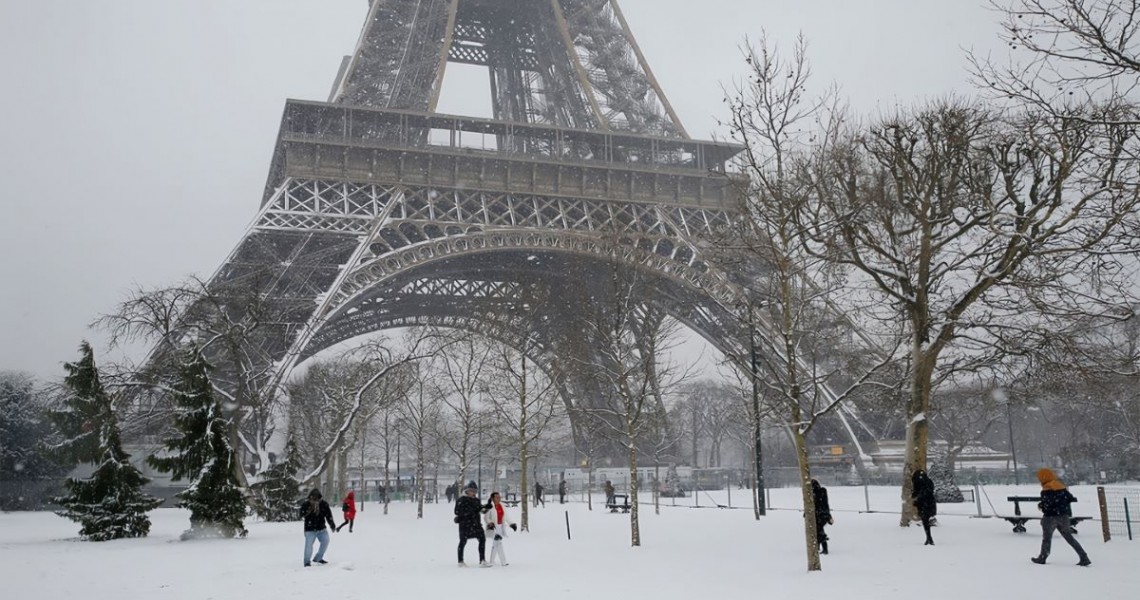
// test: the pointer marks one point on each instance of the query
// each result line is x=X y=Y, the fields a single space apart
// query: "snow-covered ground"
x=686 y=554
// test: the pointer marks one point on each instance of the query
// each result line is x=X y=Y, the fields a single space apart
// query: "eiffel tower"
x=380 y=213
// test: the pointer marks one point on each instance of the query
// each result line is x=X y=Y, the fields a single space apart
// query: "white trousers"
x=497 y=550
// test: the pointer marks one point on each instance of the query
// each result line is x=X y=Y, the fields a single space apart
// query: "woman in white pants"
x=495 y=515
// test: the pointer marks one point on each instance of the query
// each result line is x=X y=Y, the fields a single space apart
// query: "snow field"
x=686 y=554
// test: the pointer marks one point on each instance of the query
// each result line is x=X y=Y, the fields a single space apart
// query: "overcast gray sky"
x=136 y=134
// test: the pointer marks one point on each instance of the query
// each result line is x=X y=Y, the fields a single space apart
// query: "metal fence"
x=1119 y=511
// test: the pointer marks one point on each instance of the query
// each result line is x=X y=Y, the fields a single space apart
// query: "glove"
x=456 y=519
x=490 y=526
x=498 y=537
x=514 y=527
x=334 y=529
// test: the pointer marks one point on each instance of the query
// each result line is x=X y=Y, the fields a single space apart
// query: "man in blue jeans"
x=316 y=513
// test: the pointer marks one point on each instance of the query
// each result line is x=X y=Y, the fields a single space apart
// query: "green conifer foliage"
x=673 y=486
x=203 y=455
x=110 y=504
x=278 y=494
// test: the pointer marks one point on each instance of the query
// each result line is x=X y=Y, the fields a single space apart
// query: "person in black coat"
x=1056 y=514
x=562 y=492
x=450 y=491
x=822 y=514
x=468 y=515
x=316 y=513
x=922 y=495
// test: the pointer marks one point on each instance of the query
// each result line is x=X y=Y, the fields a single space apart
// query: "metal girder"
x=571 y=63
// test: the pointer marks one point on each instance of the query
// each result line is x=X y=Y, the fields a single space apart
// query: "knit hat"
x=471 y=486
x=315 y=493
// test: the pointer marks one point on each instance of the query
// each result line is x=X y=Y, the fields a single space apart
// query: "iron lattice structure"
x=380 y=213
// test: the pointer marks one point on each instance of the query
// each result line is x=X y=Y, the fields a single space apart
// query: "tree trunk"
x=589 y=484
x=917 y=429
x=657 y=487
x=755 y=495
x=524 y=519
x=523 y=482
x=420 y=476
x=813 y=563
x=387 y=459
x=634 y=524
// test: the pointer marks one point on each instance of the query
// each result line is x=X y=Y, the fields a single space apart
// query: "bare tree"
x=523 y=403
x=814 y=358
x=959 y=220
x=1066 y=56
x=463 y=370
x=394 y=370
x=420 y=410
x=319 y=403
x=193 y=312
x=631 y=338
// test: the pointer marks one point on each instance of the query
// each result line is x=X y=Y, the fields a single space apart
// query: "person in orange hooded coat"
x=349 y=508
x=1056 y=510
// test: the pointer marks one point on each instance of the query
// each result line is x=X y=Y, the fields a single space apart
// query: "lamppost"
x=479 y=471
x=1001 y=396
x=761 y=504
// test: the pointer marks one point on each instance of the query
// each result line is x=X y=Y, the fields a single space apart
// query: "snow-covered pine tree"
x=110 y=504
x=279 y=492
x=945 y=488
x=203 y=455
x=673 y=487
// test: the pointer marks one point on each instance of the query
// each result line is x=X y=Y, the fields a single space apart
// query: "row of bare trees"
x=969 y=240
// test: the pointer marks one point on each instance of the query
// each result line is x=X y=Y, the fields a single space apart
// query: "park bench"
x=1019 y=520
x=511 y=499
x=614 y=505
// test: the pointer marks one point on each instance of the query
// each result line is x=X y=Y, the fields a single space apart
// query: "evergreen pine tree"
x=279 y=492
x=945 y=488
x=673 y=487
x=110 y=504
x=203 y=455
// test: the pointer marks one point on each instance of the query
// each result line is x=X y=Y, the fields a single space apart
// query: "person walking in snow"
x=450 y=491
x=822 y=514
x=468 y=511
x=609 y=489
x=1056 y=512
x=316 y=513
x=348 y=507
x=495 y=515
x=538 y=494
x=562 y=492
x=922 y=495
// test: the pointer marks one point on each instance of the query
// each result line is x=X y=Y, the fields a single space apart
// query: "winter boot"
x=1084 y=562
x=1038 y=559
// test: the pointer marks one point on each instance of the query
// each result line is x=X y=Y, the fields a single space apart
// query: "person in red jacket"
x=349 y=508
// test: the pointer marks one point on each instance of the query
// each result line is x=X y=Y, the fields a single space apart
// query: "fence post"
x=866 y=497
x=977 y=497
x=1127 y=518
x=1103 y=513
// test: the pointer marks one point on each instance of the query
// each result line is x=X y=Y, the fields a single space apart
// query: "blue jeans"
x=310 y=536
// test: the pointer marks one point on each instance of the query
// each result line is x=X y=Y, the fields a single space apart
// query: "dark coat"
x=468 y=514
x=922 y=494
x=315 y=520
x=822 y=507
x=1056 y=503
